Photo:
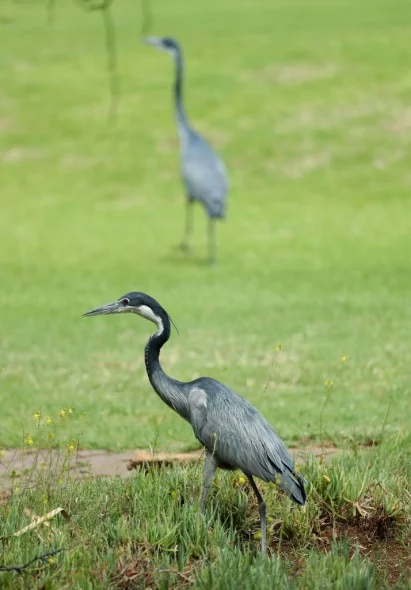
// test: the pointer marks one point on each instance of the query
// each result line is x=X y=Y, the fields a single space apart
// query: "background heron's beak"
x=104 y=309
x=154 y=41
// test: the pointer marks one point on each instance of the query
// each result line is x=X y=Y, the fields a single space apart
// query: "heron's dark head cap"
x=133 y=302
x=165 y=43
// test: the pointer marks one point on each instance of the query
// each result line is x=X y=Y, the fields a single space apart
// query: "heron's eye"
x=125 y=301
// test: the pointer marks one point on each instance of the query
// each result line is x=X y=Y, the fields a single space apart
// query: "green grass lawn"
x=308 y=102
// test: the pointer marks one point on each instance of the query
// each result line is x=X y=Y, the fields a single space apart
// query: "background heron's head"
x=165 y=43
x=134 y=302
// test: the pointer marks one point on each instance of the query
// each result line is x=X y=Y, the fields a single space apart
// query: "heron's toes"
x=184 y=247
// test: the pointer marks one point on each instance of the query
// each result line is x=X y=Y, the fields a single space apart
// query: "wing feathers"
x=240 y=437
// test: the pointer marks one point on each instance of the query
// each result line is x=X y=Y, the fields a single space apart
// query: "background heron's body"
x=233 y=432
x=203 y=173
x=204 y=176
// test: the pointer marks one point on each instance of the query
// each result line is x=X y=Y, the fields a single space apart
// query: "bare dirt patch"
x=375 y=541
x=24 y=464
x=374 y=538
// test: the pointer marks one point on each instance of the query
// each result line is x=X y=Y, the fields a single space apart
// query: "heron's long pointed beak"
x=104 y=309
x=154 y=41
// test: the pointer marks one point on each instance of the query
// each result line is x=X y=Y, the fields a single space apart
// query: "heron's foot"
x=185 y=247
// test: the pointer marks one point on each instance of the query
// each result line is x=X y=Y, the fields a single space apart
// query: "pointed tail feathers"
x=293 y=484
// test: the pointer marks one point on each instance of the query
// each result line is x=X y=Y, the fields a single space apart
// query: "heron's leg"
x=262 y=510
x=189 y=226
x=212 y=240
x=210 y=466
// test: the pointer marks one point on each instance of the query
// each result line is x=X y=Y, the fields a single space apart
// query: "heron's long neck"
x=182 y=121
x=170 y=390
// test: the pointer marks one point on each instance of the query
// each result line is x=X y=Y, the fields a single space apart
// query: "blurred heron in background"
x=203 y=173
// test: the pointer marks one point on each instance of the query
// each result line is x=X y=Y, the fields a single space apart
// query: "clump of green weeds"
x=148 y=532
x=46 y=453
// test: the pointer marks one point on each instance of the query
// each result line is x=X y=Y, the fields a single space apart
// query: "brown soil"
x=386 y=553
x=373 y=537
x=103 y=463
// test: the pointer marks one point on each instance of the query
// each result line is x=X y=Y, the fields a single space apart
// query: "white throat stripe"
x=148 y=313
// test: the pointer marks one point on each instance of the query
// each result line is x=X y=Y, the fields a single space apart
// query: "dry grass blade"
x=37 y=520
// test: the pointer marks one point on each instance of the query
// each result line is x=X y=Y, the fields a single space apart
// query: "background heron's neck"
x=182 y=121
x=171 y=391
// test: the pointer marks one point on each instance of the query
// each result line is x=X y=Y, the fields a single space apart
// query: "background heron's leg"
x=210 y=466
x=262 y=510
x=212 y=240
x=189 y=226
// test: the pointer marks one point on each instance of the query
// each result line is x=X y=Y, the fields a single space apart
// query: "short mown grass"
x=308 y=103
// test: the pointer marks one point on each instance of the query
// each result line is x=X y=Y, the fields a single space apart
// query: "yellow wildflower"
x=62 y=413
x=28 y=441
x=71 y=447
x=278 y=347
x=37 y=416
x=47 y=420
x=241 y=479
x=344 y=358
x=329 y=383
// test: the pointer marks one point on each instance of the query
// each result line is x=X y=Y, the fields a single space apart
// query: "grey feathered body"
x=203 y=173
x=232 y=430
x=239 y=436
